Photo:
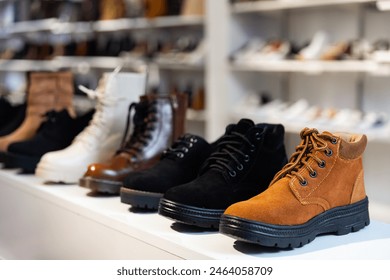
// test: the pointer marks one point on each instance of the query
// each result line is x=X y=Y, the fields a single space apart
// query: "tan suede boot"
x=46 y=91
x=321 y=190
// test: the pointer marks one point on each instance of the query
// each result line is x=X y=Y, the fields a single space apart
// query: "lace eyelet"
x=232 y=173
x=303 y=183
x=253 y=148
x=322 y=164
x=246 y=158
x=180 y=155
x=328 y=152
x=333 y=141
x=240 y=167
x=194 y=140
x=313 y=174
x=257 y=136
x=190 y=145
x=185 y=150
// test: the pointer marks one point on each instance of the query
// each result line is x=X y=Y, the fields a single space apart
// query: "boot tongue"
x=241 y=127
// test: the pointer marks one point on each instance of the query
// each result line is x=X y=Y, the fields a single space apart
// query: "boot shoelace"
x=180 y=147
x=144 y=123
x=229 y=151
x=312 y=141
x=105 y=99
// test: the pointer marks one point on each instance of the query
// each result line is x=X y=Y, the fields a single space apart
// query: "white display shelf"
x=316 y=67
x=262 y=6
x=23 y=65
x=85 y=62
x=144 y=23
x=56 y=26
x=41 y=221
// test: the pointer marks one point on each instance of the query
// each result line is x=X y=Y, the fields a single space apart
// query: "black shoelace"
x=229 y=151
x=144 y=123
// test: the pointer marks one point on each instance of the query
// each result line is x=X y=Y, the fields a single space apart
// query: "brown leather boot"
x=46 y=91
x=158 y=121
x=321 y=190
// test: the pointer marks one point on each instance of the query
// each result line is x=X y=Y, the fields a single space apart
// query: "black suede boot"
x=11 y=116
x=56 y=133
x=178 y=165
x=247 y=158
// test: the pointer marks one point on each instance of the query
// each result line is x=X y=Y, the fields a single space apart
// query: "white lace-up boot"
x=99 y=141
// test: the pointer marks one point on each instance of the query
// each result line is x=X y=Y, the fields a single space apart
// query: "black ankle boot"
x=11 y=116
x=178 y=165
x=245 y=161
x=56 y=133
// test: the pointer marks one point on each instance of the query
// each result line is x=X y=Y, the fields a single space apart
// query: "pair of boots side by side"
x=47 y=91
x=244 y=187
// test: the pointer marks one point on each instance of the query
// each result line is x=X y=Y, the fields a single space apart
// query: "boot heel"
x=356 y=218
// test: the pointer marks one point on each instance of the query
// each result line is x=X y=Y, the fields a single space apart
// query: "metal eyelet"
x=333 y=140
x=194 y=140
x=322 y=164
x=190 y=145
x=257 y=136
x=253 y=148
x=313 y=174
x=185 y=150
x=328 y=152
x=303 y=183
x=240 y=167
x=232 y=173
x=180 y=155
x=246 y=158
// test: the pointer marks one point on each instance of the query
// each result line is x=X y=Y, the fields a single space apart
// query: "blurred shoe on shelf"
x=193 y=7
x=316 y=47
x=56 y=133
x=99 y=141
x=46 y=91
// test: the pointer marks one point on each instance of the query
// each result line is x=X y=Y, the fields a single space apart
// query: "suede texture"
x=289 y=202
x=178 y=165
x=11 y=118
x=260 y=157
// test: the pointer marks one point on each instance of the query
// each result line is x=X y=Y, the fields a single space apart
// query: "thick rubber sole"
x=103 y=186
x=201 y=217
x=140 y=199
x=54 y=174
x=340 y=220
x=26 y=163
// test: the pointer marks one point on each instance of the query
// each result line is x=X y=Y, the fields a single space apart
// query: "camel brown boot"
x=46 y=91
x=158 y=121
x=320 y=191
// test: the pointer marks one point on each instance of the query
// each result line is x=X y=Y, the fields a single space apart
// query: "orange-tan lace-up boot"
x=321 y=190
x=46 y=91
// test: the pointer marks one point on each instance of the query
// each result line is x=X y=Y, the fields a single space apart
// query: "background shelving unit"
x=362 y=84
